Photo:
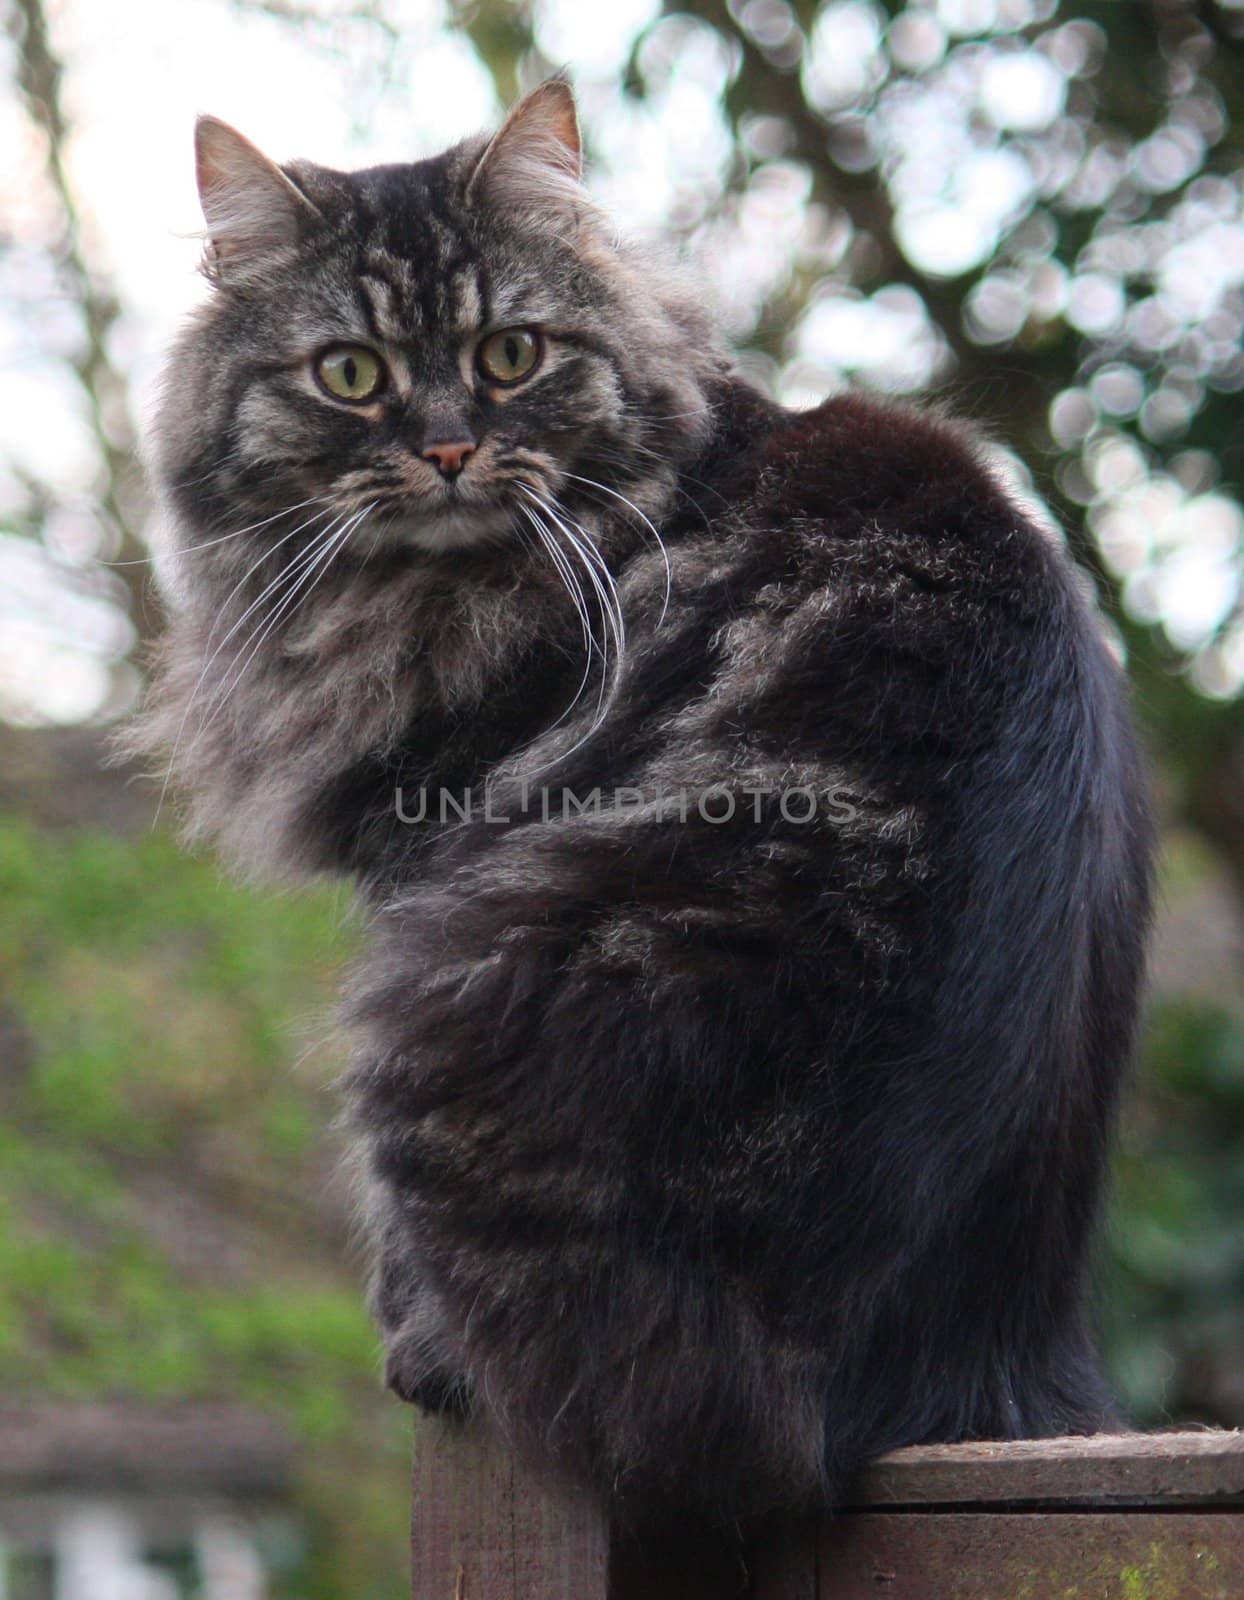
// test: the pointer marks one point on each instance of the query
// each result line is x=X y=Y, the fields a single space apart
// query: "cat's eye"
x=350 y=372
x=510 y=355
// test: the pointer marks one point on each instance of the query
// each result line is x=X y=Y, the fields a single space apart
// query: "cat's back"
x=889 y=577
x=903 y=616
x=858 y=456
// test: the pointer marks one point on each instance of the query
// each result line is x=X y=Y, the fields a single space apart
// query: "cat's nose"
x=449 y=455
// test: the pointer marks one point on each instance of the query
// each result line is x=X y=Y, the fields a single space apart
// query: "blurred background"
x=1033 y=211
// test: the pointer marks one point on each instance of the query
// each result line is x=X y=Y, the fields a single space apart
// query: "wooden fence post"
x=482 y=1529
x=1127 y=1517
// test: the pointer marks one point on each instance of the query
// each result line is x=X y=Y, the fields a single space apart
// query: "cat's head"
x=418 y=350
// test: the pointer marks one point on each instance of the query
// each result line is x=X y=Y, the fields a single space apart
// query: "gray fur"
x=706 y=1160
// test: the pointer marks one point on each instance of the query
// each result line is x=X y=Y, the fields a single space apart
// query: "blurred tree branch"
x=502 y=35
x=40 y=78
x=762 y=86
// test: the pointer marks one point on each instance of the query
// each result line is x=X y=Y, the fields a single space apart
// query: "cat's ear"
x=249 y=205
x=535 y=160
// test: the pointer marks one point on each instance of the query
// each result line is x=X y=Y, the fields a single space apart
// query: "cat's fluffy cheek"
x=166 y=540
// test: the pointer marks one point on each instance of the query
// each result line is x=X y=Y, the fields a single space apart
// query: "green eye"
x=350 y=372
x=510 y=355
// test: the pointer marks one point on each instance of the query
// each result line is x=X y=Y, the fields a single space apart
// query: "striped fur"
x=707 y=1155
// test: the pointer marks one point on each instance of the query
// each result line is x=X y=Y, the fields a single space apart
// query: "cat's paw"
x=435 y=1389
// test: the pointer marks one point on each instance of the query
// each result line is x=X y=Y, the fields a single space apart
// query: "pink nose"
x=450 y=455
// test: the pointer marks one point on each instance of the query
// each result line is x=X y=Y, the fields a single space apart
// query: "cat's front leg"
x=421 y=1382
x=419 y=1361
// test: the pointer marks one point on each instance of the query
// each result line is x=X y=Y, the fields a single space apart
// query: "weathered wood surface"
x=1034 y=1556
x=1133 y=1517
x=483 y=1530
x=1134 y=1469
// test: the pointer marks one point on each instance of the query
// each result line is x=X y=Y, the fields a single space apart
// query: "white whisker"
x=647 y=521
x=601 y=578
x=207 y=665
x=294 y=570
x=612 y=620
x=189 y=549
x=565 y=570
x=273 y=585
x=310 y=569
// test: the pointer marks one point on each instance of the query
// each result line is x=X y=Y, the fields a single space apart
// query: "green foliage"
x=130 y=963
x=1175 y=1301
x=162 y=1142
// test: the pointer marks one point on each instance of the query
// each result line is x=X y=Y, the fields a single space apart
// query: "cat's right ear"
x=249 y=205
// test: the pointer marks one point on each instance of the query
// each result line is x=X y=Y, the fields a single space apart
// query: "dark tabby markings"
x=706 y=1158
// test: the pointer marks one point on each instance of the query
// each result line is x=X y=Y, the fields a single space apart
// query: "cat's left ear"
x=535 y=160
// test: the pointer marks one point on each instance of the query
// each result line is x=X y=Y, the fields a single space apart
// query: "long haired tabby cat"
x=753 y=841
